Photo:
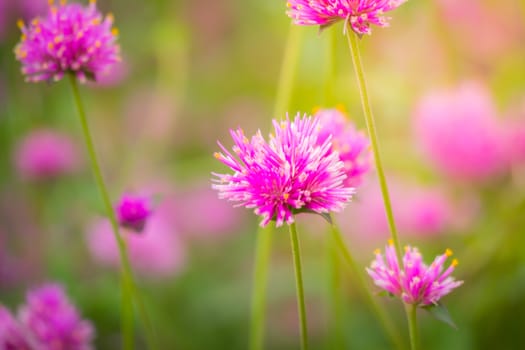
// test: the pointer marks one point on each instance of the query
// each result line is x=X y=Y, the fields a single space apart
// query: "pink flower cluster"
x=47 y=321
x=290 y=172
x=71 y=39
x=413 y=281
x=352 y=145
x=358 y=14
x=133 y=211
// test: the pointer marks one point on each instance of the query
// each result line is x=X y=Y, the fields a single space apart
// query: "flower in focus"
x=359 y=14
x=12 y=334
x=157 y=251
x=413 y=282
x=352 y=145
x=53 y=321
x=289 y=173
x=133 y=211
x=71 y=39
x=458 y=132
x=46 y=154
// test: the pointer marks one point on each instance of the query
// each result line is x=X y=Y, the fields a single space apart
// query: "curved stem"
x=370 y=124
x=337 y=339
x=380 y=313
x=296 y=252
x=262 y=257
x=126 y=271
x=411 y=311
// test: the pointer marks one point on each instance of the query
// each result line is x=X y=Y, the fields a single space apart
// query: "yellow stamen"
x=390 y=242
x=377 y=251
x=95 y=21
x=50 y=2
x=316 y=109
x=98 y=44
x=286 y=196
x=58 y=39
x=448 y=252
x=92 y=1
x=50 y=46
x=63 y=2
x=35 y=21
x=341 y=108
x=110 y=17
x=114 y=31
x=455 y=262
x=217 y=155
x=20 y=24
x=407 y=248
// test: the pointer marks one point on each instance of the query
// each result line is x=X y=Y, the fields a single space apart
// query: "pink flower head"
x=156 y=252
x=359 y=14
x=54 y=322
x=45 y=154
x=413 y=282
x=12 y=334
x=71 y=39
x=458 y=132
x=291 y=172
x=352 y=145
x=133 y=211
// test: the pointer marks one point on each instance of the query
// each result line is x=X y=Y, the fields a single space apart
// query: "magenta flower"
x=133 y=211
x=352 y=145
x=12 y=334
x=359 y=14
x=291 y=172
x=413 y=282
x=459 y=133
x=53 y=321
x=71 y=39
x=46 y=154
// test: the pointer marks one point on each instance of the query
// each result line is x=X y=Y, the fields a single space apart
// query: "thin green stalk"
x=380 y=313
x=127 y=316
x=126 y=271
x=331 y=69
x=296 y=252
x=262 y=262
x=264 y=235
x=336 y=326
x=411 y=311
x=370 y=124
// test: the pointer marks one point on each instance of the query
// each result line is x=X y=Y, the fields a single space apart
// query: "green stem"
x=370 y=124
x=262 y=262
x=296 y=252
x=336 y=326
x=264 y=235
x=286 y=76
x=331 y=69
x=382 y=316
x=127 y=316
x=126 y=271
x=411 y=311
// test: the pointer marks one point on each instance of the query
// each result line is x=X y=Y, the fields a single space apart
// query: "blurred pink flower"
x=413 y=281
x=72 y=38
x=221 y=218
x=114 y=75
x=53 y=321
x=45 y=154
x=352 y=145
x=459 y=134
x=157 y=251
x=359 y=14
x=133 y=211
x=12 y=334
x=419 y=211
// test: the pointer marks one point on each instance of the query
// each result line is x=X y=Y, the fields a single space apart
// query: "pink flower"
x=54 y=322
x=71 y=39
x=133 y=211
x=156 y=251
x=359 y=14
x=289 y=173
x=352 y=145
x=12 y=334
x=458 y=132
x=413 y=282
x=46 y=154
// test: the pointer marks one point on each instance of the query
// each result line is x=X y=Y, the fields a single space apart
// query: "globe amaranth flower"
x=414 y=282
x=133 y=212
x=53 y=321
x=358 y=14
x=352 y=145
x=70 y=39
x=291 y=172
x=12 y=334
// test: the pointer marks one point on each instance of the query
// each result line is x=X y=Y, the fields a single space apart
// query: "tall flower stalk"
x=263 y=245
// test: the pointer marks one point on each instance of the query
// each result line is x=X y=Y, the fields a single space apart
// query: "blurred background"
x=447 y=83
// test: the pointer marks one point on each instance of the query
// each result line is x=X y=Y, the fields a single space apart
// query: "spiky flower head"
x=352 y=145
x=70 y=39
x=358 y=14
x=53 y=321
x=291 y=172
x=133 y=211
x=413 y=281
